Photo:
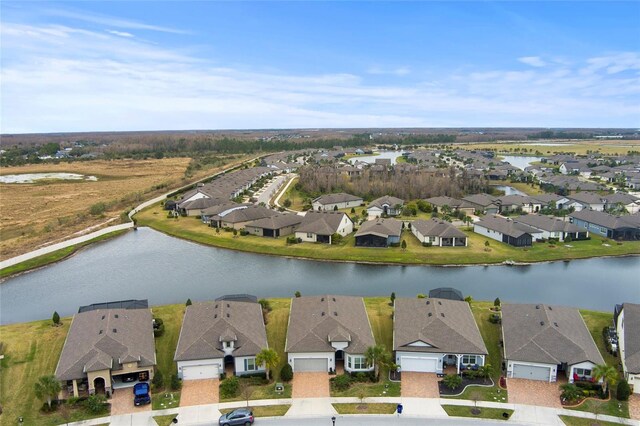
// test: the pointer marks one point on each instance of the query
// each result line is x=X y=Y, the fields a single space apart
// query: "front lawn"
x=579 y=421
x=264 y=410
x=382 y=388
x=493 y=394
x=164 y=400
x=484 y=413
x=383 y=408
x=165 y=420
x=254 y=388
x=613 y=407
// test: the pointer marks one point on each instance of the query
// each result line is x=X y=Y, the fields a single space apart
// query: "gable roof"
x=245 y=215
x=207 y=324
x=445 y=325
x=546 y=223
x=321 y=223
x=340 y=197
x=607 y=220
x=437 y=228
x=315 y=321
x=547 y=334
x=586 y=197
x=484 y=200
x=105 y=339
x=381 y=227
x=386 y=200
x=276 y=222
x=632 y=337
x=506 y=226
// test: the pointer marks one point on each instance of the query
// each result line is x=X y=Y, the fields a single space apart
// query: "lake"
x=146 y=264
x=34 y=177
x=520 y=161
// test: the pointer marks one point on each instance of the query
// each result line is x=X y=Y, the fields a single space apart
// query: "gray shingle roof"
x=315 y=321
x=321 y=223
x=246 y=215
x=632 y=337
x=483 y=200
x=386 y=200
x=381 y=227
x=276 y=222
x=607 y=220
x=207 y=324
x=104 y=339
x=340 y=197
x=437 y=228
x=547 y=334
x=446 y=325
x=506 y=226
x=546 y=223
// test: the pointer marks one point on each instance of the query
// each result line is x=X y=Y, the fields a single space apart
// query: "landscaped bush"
x=96 y=404
x=293 y=240
x=427 y=244
x=623 y=391
x=158 y=380
x=452 y=381
x=570 y=393
x=362 y=377
x=158 y=327
x=286 y=374
x=229 y=387
x=244 y=232
x=341 y=382
x=176 y=383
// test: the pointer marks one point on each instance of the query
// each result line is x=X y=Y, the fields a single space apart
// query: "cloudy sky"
x=99 y=66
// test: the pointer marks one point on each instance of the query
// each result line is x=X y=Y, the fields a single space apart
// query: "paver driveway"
x=634 y=406
x=534 y=392
x=122 y=403
x=199 y=392
x=419 y=385
x=310 y=385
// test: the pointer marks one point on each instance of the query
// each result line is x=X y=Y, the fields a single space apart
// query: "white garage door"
x=423 y=365
x=196 y=372
x=531 y=372
x=310 y=364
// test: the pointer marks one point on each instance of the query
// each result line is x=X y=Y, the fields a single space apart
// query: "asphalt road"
x=373 y=421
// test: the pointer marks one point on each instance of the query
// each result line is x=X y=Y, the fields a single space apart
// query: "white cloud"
x=120 y=33
x=400 y=71
x=534 y=61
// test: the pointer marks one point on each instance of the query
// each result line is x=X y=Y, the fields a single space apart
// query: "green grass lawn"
x=579 y=421
x=595 y=322
x=277 y=322
x=492 y=394
x=165 y=420
x=485 y=413
x=258 y=391
x=264 y=410
x=609 y=408
x=191 y=228
x=383 y=408
x=166 y=399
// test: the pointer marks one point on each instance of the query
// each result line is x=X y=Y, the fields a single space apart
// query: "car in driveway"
x=141 y=394
x=240 y=416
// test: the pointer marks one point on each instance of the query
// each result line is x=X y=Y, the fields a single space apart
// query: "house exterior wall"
x=93 y=375
x=239 y=366
x=317 y=206
x=350 y=358
x=632 y=379
x=210 y=361
x=592 y=228
x=494 y=235
x=346 y=226
x=587 y=364
x=553 y=368
x=309 y=238
x=328 y=355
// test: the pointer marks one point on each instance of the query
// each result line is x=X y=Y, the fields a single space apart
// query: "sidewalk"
x=314 y=407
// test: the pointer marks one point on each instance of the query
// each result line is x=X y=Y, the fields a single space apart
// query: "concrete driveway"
x=419 y=385
x=200 y=392
x=534 y=392
x=122 y=403
x=634 y=406
x=310 y=385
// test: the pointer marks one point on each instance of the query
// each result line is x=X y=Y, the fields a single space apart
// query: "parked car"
x=141 y=394
x=240 y=416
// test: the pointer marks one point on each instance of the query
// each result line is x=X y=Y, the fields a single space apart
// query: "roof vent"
x=115 y=330
x=541 y=322
x=322 y=300
x=228 y=316
x=439 y=302
x=537 y=306
x=442 y=314
x=429 y=314
x=322 y=314
x=556 y=324
x=117 y=316
x=335 y=314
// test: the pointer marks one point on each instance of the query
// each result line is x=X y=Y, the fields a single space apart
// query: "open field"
x=192 y=228
x=49 y=211
x=607 y=147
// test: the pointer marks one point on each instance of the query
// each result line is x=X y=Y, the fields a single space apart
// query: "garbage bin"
x=399 y=408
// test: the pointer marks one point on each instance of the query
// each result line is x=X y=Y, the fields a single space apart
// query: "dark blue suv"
x=141 y=394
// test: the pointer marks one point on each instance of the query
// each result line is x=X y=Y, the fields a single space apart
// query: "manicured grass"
x=383 y=388
x=264 y=410
x=191 y=228
x=485 y=413
x=277 y=323
x=491 y=334
x=259 y=391
x=55 y=256
x=492 y=394
x=166 y=399
x=579 y=421
x=595 y=322
x=166 y=344
x=609 y=408
x=165 y=420
x=382 y=408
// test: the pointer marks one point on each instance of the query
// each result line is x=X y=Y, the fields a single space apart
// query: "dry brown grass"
x=34 y=214
x=606 y=147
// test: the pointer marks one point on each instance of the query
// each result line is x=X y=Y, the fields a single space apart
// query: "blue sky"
x=99 y=66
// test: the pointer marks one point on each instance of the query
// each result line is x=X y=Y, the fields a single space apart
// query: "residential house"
x=221 y=210
x=592 y=200
x=328 y=330
x=506 y=231
x=452 y=204
x=318 y=227
x=548 y=200
x=331 y=202
x=552 y=227
x=484 y=202
x=607 y=225
x=385 y=206
x=430 y=335
x=219 y=336
x=274 y=226
x=439 y=233
x=543 y=341
x=379 y=233
x=108 y=348
x=523 y=203
x=628 y=329
x=239 y=218
x=630 y=202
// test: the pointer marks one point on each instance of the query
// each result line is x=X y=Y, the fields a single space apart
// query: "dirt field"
x=32 y=215
x=607 y=147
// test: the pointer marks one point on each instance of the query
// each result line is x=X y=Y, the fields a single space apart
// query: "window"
x=250 y=364
x=357 y=362
x=470 y=359
x=582 y=372
x=309 y=235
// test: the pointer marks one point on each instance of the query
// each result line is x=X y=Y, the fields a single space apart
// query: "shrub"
x=97 y=209
x=293 y=240
x=158 y=330
x=360 y=377
x=341 y=382
x=570 y=392
x=497 y=302
x=229 y=387
x=623 y=392
x=55 y=318
x=421 y=296
x=96 y=403
x=158 y=380
x=244 y=232
x=452 y=381
x=176 y=383
x=189 y=302
x=265 y=305
x=336 y=238
x=286 y=374
x=427 y=244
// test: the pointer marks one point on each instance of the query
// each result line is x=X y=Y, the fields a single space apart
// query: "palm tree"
x=47 y=387
x=377 y=355
x=607 y=373
x=269 y=358
x=485 y=371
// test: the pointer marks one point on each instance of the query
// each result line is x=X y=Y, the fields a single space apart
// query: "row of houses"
x=111 y=346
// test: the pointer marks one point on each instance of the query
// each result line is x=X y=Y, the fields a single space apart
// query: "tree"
x=623 y=392
x=486 y=243
x=335 y=208
x=269 y=358
x=353 y=210
x=393 y=297
x=497 y=302
x=607 y=373
x=298 y=294
x=452 y=381
x=485 y=371
x=55 y=318
x=403 y=245
x=287 y=203
x=286 y=374
x=158 y=380
x=189 y=302
x=570 y=392
x=377 y=355
x=47 y=387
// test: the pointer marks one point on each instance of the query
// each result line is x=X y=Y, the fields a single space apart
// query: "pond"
x=371 y=159
x=146 y=264
x=508 y=190
x=34 y=177
x=520 y=161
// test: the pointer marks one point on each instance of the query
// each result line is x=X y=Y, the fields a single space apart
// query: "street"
x=373 y=421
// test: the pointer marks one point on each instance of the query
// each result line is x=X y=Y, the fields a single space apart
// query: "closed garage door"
x=423 y=365
x=310 y=364
x=531 y=372
x=196 y=372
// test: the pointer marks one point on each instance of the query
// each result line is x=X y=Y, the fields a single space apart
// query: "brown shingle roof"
x=104 y=339
x=381 y=227
x=207 y=324
x=446 y=325
x=547 y=334
x=315 y=321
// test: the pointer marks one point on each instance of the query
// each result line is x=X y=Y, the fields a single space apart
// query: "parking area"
x=122 y=403
x=199 y=392
x=310 y=385
x=419 y=385
x=534 y=392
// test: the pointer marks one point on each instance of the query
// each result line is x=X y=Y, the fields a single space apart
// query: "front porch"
x=458 y=363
